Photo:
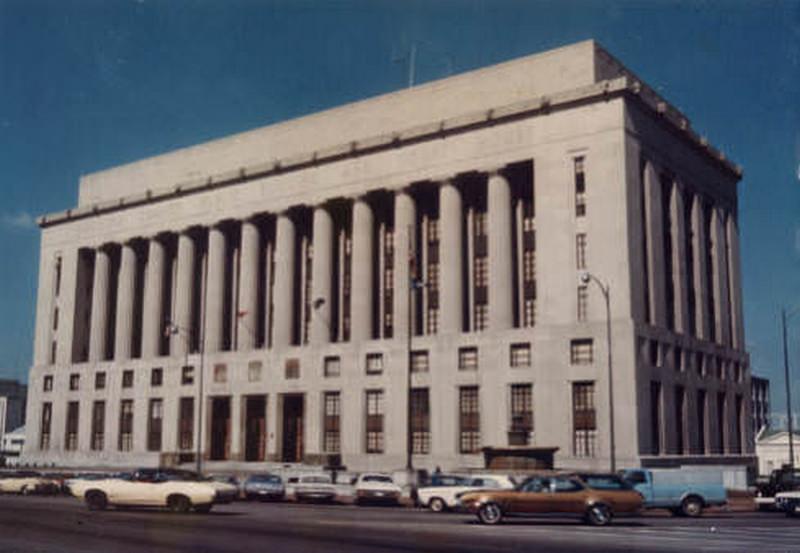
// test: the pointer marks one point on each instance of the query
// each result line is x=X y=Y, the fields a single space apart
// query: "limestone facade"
x=284 y=268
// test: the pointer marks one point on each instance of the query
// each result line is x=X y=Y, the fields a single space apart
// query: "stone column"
x=153 y=323
x=722 y=310
x=282 y=292
x=501 y=271
x=321 y=272
x=700 y=282
x=215 y=289
x=237 y=415
x=655 y=246
x=734 y=277
x=123 y=338
x=99 y=321
x=179 y=344
x=680 y=280
x=361 y=269
x=405 y=217
x=248 y=286
x=451 y=309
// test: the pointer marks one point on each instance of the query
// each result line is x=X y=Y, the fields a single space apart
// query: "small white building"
x=11 y=446
x=772 y=449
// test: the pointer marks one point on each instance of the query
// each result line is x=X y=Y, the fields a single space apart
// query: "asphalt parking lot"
x=62 y=524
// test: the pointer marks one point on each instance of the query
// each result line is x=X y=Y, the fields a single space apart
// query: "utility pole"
x=788 y=382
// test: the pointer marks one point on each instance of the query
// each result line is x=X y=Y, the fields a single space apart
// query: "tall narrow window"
x=739 y=425
x=388 y=284
x=580 y=251
x=186 y=423
x=71 y=441
x=125 y=442
x=57 y=283
x=702 y=424
x=47 y=383
x=680 y=420
x=721 y=426
x=45 y=425
x=528 y=267
x=331 y=442
x=98 y=425
x=521 y=414
x=420 y=421
x=584 y=419
x=691 y=292
x=469 y=419
x=432 y=279
x=155 y=417
x=580 y=186
x=480 y=267
x=666 y=232
x=583 y=302
x=374 y=421
x=655 y=417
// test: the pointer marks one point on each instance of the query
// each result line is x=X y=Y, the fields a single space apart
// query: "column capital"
x=494 y=170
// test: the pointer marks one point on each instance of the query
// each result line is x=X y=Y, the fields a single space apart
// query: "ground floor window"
x=584 y=420
x=420 y=421
x=374 y=421
x=331 y=439
x=469 y=440
x=71 y=442
x=98 y=425
x=125 y=442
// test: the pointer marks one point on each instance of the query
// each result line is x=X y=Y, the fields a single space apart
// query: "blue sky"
x=89 y=84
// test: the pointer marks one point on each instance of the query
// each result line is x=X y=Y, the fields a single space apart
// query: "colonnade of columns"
x=234 y=285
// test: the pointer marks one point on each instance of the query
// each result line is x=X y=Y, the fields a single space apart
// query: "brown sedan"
x=595 y=497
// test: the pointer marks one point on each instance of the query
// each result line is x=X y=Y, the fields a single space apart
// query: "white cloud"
x=21 y=220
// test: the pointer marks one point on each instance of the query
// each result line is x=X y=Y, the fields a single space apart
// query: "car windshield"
x=439 y=480
x=184 y=476
x=377 y=478
x=604 y=482
x=267 y=478
x=315 y=480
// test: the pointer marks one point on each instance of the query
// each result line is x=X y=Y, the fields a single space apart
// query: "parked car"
x=788 y=502
x=442 y=493
x=264 y=487
x=25 y=482
x=314 y=487
x=177 y=490
x=376 y=488
x=685 y=491
x=784 y=479
x=596 y=504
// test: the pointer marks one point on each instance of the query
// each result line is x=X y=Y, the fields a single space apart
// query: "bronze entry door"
x=292 y=446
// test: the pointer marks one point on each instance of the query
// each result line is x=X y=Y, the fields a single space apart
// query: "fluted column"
x=734 y=277
x=282 y=292
x=215 y=290
x=719 y=259
x=99 y=321
x=152 y=327
x=680 y=279
x=248 y=286
x=184 y=293
x=451 y=309
x=123 y=338
x=499 y=221
x=655 y=246
x=700 y=249
x=405 y=217
x=321 y=272
x=361 y=269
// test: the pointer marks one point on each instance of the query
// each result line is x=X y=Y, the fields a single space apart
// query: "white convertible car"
x=442 y=492
x=24 y=482
x=177 y=490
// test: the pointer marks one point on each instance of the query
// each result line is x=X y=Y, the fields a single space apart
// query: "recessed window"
x=331 y=441
x=332 y=366
x=187 y=375
x=220 y=373
x=469 y=439
x=100 y=380
x=677 y=355
x=580 y=251
x=581 y=351
x=520 y=355
x=698 y=363
x=583 y=302
x=254 y=371
x=127 y=379
x=71 y=437
x=292 y=369
x=584 y=420
x=420 y=421
x=419 y=361
x=374 y=421
x=125 y=440
x=374 y=363
x=74 y=381
x=156 y=376
x=521 y=414
x=468 y=359
x=47 y=383
x=580 y=186
x=653 y=354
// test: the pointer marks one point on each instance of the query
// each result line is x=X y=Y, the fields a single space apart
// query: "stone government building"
x=278 y=261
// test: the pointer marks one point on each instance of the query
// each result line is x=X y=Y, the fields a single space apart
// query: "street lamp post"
x=790 y=427
x=606 y=290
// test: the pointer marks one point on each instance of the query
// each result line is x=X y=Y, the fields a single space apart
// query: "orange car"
x=595 y=497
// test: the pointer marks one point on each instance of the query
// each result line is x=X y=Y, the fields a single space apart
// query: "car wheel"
x=96 y=500
x=490 y=513
x=692 y=506
x=204 y=508
x=437 y=505
x=598 y=515
x=179 y=504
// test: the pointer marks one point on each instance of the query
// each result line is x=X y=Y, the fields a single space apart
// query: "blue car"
x=264 y=487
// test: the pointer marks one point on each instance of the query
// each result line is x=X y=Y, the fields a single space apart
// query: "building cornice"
x=624 y=86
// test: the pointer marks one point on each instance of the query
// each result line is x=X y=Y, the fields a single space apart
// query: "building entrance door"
x=292 y=447
x=255 y=428
x=220 y=428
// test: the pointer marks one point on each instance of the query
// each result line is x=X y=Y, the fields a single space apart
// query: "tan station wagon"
x=594 y=497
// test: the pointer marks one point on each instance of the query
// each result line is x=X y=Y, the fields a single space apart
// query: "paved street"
x=43 y=524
